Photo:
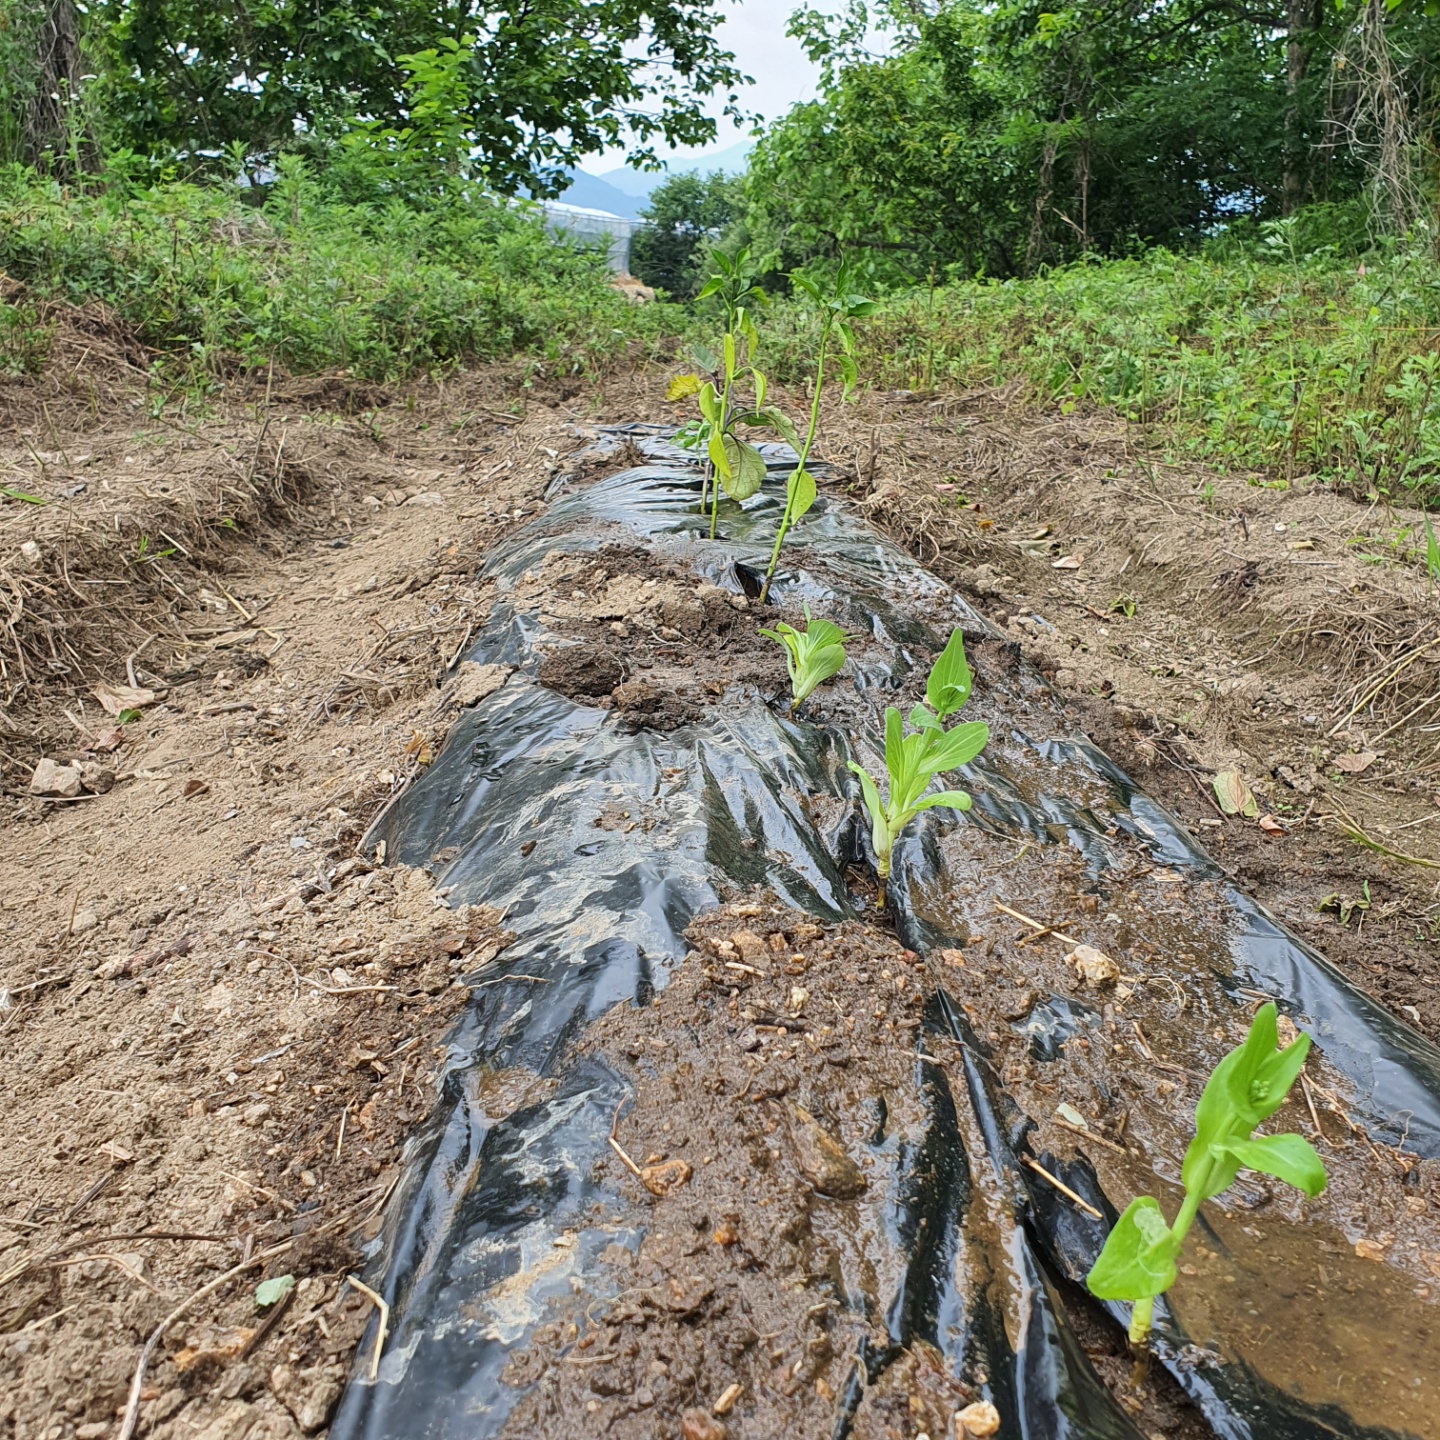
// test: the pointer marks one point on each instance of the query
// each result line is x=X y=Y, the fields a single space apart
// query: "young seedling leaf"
x=1432 y=553
x=894 y=747
x=802 y=493
x=879 y=834
x=745 y=471
x=267 y=1292
x=957 y=747
x=813 y=655
x=709 y=405
x=1138 y=1259
x=1290 y=1158
x=950 y=799
x=922 y=719
x=950 y=682
x=719 y=457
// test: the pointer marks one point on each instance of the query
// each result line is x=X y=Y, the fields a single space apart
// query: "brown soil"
x=645 y=638
x=217 y=1026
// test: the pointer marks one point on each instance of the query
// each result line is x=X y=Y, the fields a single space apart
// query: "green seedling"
x=735 y=394
x=1432 y=553
x=1246 y=1087
x=738 y=467
x=812 y=655
x=1346 y=908
x=913 y=760
x=837 y=310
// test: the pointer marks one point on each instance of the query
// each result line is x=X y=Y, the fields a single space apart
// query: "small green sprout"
x=913 y=760
x=812 y=655
x=1432 y=552
x=269 y=1292
x=1247 y=1086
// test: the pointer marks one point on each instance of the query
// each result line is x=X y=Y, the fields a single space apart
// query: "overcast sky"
x=755 y=31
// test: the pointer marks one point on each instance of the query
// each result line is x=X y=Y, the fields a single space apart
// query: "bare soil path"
x=217 y=1025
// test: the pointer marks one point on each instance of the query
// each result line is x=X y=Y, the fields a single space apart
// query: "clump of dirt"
x=774 y=1087
x=582 y=671
x=648 y=638
x=650 y=705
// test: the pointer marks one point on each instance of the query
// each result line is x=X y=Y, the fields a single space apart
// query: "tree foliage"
x=997 y=138
x=687 y=213
x=543 y=84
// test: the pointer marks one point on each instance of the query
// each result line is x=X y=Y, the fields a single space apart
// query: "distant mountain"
x=596 y=194
x=623 y=191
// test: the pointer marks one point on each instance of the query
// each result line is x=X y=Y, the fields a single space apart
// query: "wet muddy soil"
x=777 y=1080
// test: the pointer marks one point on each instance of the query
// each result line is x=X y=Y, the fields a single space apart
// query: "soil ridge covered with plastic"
x=522 y=1232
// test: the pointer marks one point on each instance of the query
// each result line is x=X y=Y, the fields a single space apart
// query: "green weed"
x=379 y=288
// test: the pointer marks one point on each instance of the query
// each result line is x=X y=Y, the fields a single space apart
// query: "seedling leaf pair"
x=812 y=655
x=1137 y=1262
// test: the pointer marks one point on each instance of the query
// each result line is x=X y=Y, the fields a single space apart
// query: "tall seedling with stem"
x=837 y=310
x=912 y=761
x=1247 y=1086
x=733 y=464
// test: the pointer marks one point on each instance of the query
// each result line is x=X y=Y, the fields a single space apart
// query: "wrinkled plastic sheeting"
x=469 y=1262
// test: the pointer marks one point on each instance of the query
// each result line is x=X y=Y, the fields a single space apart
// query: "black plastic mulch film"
x=467 y=1261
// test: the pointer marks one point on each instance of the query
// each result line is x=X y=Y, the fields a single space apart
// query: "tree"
x=545 y=83
x=40 y=79
x=997 y=136
x=687 y=212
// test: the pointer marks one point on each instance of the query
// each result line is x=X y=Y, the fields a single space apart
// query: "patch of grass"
x=380 y=290
x=1311 y=367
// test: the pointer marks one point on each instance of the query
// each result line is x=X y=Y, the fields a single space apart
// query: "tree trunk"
x=55 y=137
x=1034 y=251
x=1297 y=57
